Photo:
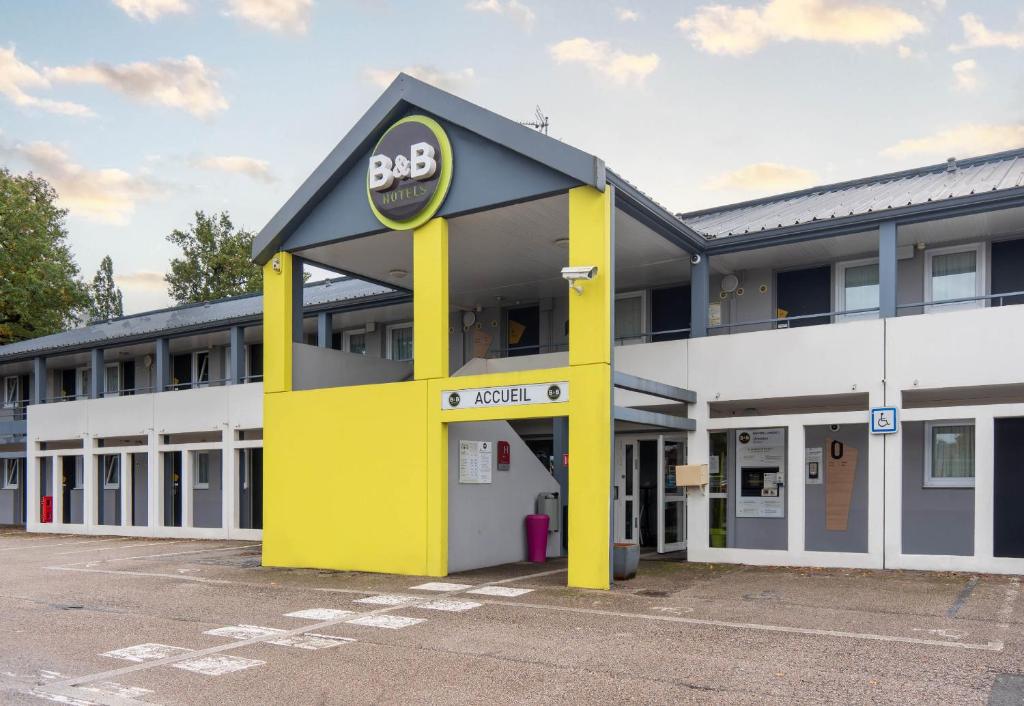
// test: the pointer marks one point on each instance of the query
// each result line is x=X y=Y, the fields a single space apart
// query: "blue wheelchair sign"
x=884 y=420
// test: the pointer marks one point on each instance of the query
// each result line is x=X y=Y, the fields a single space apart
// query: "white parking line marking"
x=386 y=599
x=391 y=622
x=147 y=652
x=217 y=665
x=112 y=688
x=244 y=632
x=319 y=614
x=449 y=605
x=64 y=544
x=122 y=546
x=503 y=591
x=441 y=587
x=312 y=642
x=992 y=646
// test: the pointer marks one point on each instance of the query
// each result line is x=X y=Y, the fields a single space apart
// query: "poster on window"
x=761 y=467
x=475 y=459
x=814 y=458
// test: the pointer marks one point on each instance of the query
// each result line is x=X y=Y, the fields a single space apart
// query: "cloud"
x=186 y=84
x=721 y=29
x=962 y=141
x=965 y=75
x=617 y=65
x=104 y=195
x=513 y=9
x=623 y=14
x=16 y=76
x=289 y=16
x=978 y=36
x=152 y=9
x=142 y=281
x=255 y=168
x=447 y=80
x=763 y=177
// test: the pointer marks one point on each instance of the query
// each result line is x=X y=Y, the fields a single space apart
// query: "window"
x=400 y=342
x=113 y=380
x=84 y=382
x=949 y=454
x=954 y=273
x=630 y=317
x=12 y=391
x=254 y=362
x=190 y=370
x=355 y=341
x=857 y=288
x=201 y=472
x=202 y=368
x=12 y=473
x=79 y=474
x=111 y=472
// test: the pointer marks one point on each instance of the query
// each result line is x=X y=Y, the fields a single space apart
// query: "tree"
x=40 y=288
x=215 y=261
x=106 y=300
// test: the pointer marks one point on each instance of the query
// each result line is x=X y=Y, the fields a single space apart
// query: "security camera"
x=574 y=275
x=695 y=259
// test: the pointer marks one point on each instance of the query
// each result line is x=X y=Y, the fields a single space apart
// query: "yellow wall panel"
x=345 y=478
x=430 y=300
x=590 y=244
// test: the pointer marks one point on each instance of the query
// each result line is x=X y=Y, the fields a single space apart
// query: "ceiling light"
x=399 y=273
x=562 y=242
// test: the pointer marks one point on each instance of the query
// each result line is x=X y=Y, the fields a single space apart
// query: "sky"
x=141 y=112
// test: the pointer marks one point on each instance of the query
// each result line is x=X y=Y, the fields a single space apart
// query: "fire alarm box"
x=504 y=455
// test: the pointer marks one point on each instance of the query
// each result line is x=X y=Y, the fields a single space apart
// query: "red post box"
x=46 y=509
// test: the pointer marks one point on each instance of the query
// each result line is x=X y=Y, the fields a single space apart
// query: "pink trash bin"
x=537 y=538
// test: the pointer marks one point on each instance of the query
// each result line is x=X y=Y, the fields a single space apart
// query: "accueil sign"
x=409 y=172
x=505 y=395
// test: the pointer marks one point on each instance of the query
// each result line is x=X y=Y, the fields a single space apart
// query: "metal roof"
x=191 y=318
x=933 y=184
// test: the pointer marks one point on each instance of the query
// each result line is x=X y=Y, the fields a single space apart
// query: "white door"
x=627 y=476
x=671 y=499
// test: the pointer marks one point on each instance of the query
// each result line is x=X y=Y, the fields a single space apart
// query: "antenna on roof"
x=539 y=122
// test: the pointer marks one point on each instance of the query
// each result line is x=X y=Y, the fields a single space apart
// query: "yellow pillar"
x=430 y=347
x=277 y=323
x=430 y=300
x=590 y=420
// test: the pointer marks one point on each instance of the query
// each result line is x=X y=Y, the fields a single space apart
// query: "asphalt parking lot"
x=101 y=620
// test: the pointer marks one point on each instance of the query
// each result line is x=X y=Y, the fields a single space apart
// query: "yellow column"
x=277 y=324
x=430 y=347
x=590 y=243
x=590 y=419
x=430 y=300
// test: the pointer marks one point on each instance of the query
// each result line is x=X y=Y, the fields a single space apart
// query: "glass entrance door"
x=627 y=471
x=671 y=498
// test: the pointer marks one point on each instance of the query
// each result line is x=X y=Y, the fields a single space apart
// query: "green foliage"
x=106 y=300
x=215 y=261
x=40 y=289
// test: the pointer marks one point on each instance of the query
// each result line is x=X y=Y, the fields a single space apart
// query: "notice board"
x=761 y=467
x=475 y=459
x=840 y=474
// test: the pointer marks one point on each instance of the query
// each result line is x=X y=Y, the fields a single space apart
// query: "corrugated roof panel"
x=934 y=183
x=186 y=317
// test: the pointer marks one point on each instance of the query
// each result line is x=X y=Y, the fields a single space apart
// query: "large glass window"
x=857 y=289
x=111 y=472
x=11 y=392
x=954 y=274
x=113 y=380
x=400 y=342
x=949 y=454
x=12 y=473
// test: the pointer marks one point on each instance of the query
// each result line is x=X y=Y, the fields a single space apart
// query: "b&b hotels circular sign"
x=409 y=173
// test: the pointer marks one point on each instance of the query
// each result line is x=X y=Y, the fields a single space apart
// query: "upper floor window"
x=949 y=454
x=355 y=341
x=112 y=386
x=857 y=288
x=955 y=273
x=190 y=370
x=630 y=316
x=12 y=391
x=399 y=345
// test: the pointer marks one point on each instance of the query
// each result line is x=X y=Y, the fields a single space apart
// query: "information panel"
x=761 y=466
x=475 y=459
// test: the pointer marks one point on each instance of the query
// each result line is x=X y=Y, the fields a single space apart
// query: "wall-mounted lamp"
x=276 y=264
x=575 y=275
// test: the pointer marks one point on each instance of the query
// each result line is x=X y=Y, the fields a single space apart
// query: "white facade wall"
x=222 y=410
